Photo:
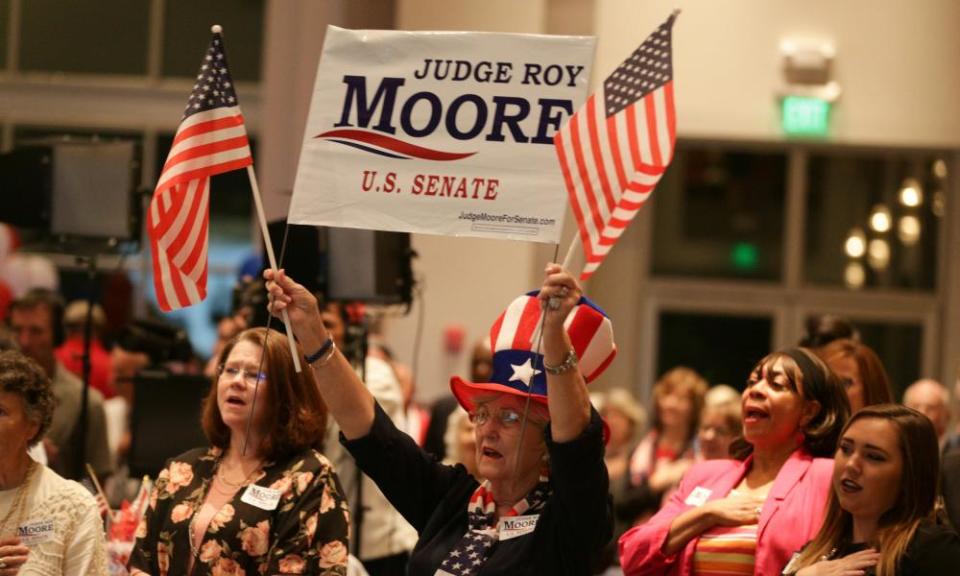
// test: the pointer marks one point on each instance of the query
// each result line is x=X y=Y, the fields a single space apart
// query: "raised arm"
x=347 y=398
x=567 y=395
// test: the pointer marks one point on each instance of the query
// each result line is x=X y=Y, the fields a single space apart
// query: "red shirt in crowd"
x=70 y=354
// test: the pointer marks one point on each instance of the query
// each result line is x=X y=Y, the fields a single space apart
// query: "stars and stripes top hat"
x=517 y=361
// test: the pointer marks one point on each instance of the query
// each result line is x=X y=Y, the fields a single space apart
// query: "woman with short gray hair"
x=48 y=525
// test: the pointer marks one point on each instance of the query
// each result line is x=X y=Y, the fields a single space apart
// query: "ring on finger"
x=3 y=564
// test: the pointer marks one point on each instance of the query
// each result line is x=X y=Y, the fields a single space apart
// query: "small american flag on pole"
x=210 y=140
x=616 y=147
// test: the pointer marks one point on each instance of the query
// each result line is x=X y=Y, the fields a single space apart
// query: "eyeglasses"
x=250 y=378
x=507 y=417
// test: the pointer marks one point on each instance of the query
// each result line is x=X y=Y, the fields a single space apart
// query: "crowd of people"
x=811 y=469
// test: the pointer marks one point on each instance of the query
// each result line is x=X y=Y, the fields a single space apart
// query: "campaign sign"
x=440 y=132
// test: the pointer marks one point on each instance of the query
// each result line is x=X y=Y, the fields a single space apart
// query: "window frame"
x=791 y=299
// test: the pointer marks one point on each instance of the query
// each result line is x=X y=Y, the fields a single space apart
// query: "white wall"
x=293 y=40
x=897 y=64
x=488 y=15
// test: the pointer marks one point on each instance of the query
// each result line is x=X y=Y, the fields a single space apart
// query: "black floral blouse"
x=305 y=534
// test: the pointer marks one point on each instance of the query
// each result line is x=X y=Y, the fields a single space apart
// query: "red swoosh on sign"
x=394 y=145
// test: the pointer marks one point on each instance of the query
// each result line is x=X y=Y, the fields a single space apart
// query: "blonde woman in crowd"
x=667 y=451
x=625 y=418
x=719 y=423
x=460 y=442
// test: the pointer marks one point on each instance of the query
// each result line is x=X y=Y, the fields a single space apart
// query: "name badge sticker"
x=261 y=497
x=515 y=526
x=698 y=497
x=36 y=532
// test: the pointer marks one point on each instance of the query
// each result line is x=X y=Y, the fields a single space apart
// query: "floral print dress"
x=305 y=533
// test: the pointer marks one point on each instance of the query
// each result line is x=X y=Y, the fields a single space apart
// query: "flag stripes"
x=210 y=140
x=614 y=149
x=589 y=185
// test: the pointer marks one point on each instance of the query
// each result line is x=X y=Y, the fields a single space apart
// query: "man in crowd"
x=36 y=323
x=931 y=399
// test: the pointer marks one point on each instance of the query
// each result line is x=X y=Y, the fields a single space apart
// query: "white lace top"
x=61 y=526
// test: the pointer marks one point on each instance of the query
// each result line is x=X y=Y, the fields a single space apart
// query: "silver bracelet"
x=569 y=362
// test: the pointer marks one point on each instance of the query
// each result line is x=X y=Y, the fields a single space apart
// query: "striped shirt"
x=726 y=551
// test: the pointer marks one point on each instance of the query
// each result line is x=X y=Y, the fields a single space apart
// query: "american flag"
x=210 y=140
x=616 y=147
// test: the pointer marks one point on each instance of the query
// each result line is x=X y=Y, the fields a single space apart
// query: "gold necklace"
x=221 y=475
x=19 y=500
x=226 y=489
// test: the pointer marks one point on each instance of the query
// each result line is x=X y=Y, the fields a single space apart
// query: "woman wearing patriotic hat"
x=542 y=507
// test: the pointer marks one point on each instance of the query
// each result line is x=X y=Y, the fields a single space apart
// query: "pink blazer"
x=791 y=515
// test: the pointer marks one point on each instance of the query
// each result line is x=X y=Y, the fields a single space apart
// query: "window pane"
x=186 y=33
x=719 y=214
x=899 y=347
x=872 y=220
x=101 y=37
x=23 y=135
x=722 y=348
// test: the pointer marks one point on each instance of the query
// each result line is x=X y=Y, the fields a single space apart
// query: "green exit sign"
x=805 y=116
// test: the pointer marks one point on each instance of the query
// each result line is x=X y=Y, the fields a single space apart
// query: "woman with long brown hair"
x=861 y=371
x=261 y=499
x=880 y=515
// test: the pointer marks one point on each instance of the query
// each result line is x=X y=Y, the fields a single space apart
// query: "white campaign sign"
x=440 y=132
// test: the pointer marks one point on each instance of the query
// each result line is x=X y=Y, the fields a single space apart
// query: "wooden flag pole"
x=273 y=259
x=575 y=260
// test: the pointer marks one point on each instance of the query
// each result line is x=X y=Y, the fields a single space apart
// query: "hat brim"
x=466 y=393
